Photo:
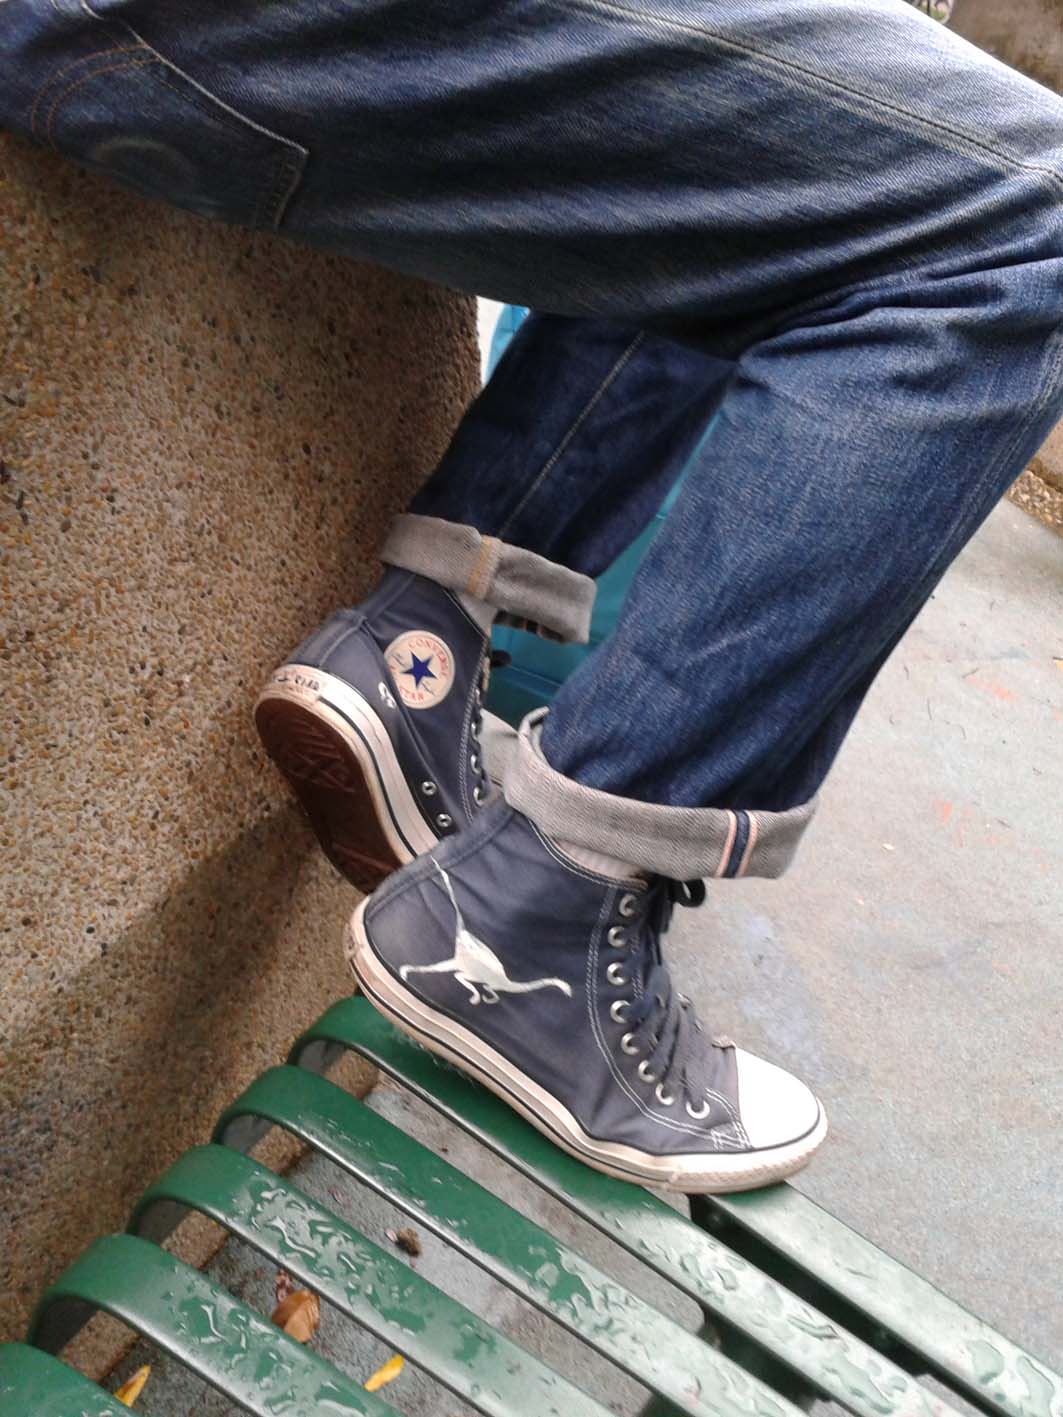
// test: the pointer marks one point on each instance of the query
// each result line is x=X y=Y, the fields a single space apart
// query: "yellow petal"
x=387 y=1374
x=130 y=1391
x=298 y=1315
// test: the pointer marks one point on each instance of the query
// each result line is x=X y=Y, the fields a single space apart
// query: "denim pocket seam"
x=53 y=79
x=289 y=158
x=64 y=94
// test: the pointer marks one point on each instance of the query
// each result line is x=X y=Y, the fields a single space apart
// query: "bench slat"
x=243 y=1355
x=987 y=1369
x=956 y=1344
x=34 y=1384
x=482 y=1366
x=655 y=1351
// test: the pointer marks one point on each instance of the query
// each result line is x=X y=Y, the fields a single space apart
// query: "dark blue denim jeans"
x=828 y=228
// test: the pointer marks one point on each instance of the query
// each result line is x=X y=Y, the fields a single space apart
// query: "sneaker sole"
x=727 y=1171
x=336 y=755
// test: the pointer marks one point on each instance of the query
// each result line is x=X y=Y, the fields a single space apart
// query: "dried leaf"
x=283 y=1286
x=298 y=1315
x=131 y=1390
x=387 y=1374
x=408 y=1239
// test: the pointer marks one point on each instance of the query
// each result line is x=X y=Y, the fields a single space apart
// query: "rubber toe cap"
x=776 y=1108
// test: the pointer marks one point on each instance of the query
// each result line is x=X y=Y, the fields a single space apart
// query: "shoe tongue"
x=600 y=863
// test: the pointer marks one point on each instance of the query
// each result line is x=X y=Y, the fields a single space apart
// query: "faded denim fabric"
x=849 y=219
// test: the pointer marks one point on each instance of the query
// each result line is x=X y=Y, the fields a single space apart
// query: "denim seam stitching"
x=293 y=159
x=64 y=94
x=867 y=104
x=559 y=451
x=54 y=79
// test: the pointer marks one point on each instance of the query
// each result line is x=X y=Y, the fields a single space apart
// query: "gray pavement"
x=910 y=966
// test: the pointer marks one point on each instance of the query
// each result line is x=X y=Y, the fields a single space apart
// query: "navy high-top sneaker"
x=375 y=722
x=543 y=977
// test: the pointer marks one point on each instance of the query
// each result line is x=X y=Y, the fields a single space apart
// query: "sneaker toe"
x=776 y=1108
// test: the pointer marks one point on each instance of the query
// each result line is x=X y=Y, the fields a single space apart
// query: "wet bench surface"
x=796 y=1305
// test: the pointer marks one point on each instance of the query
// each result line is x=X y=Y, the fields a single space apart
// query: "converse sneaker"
x=375 y=722
x=543 y=978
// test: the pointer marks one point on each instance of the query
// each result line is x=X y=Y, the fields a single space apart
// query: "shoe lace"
x=662 y=1025
x=493 y=659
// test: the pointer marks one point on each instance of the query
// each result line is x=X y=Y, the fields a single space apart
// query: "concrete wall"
x=1028 y=34
x=202 y=436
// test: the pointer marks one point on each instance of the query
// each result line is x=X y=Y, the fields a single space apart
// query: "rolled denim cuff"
x=540 y=593
x=684 y=843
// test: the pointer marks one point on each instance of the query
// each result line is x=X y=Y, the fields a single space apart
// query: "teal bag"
x=537 y=668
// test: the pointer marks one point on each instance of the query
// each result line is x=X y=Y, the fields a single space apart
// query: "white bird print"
x=477 y=967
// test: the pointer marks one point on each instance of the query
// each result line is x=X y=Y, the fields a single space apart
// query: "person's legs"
x=559 y=464
x=861 y=211
x=577 y=438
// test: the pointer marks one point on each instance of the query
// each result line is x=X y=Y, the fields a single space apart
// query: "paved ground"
x=911 y=966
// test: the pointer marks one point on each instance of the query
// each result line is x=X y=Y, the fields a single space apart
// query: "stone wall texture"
x=1028 y=34
x=202 y=435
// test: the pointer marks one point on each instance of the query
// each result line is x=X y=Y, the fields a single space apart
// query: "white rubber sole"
x=702 y=1175
x=349 y=722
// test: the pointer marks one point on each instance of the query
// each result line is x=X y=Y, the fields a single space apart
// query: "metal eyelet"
x=645 y=1073
x=474 y=731
x=429 y=789
x=444 y=820
x=617 y=937
x=478 y=795
x=474 y=761
x=629 y=1046
x=615 y=975
x=627 y=905
x=698 y=1113
x=618 y=1010
x=664 y=1097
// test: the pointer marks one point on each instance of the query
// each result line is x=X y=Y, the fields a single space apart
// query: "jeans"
x=810 y=249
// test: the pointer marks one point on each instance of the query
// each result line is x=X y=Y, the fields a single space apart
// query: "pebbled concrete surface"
x=202 y=437
x=909 y=966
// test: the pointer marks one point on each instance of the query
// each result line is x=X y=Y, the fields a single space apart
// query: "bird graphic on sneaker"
x=586 y=1035
x=476 y=966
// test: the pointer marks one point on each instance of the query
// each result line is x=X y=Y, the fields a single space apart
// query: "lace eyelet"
x=474 y=731
x=444 y=821
x=618 y=1010
x=664 y=1097
x=698 y=1113
x=645 y=1072
x=474 y=761
x=627 y=906
x=617 y=937
x=616 y=975
x=478 y=795
x=629 y=1046
x=429 y=789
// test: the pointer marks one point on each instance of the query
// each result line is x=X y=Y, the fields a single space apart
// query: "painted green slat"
x=986 y=1368
x=639 y=1339
x=252 y=1362
x=956 y=1342
x=483 y=1367
x=34 y=1384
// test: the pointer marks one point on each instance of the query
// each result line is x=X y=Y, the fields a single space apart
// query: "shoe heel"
x=335 y=755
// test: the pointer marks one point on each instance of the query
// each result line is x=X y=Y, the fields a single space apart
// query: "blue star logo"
x=420 y=669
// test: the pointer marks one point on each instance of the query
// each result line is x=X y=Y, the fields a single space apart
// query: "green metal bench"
x=796 y=1305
